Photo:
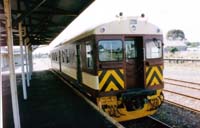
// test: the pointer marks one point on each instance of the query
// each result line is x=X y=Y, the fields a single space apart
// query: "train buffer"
x=52 y=104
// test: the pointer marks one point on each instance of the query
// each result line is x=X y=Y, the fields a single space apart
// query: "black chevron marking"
x=152 y=77
x=148 y=71
x=102 y=75
x=111 y=78
x=119 y=74
x=160 y=70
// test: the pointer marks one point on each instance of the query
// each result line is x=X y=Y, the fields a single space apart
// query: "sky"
x=167 y=14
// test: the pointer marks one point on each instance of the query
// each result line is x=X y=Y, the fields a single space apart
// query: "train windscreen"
x=110 y=50
x=153 y=48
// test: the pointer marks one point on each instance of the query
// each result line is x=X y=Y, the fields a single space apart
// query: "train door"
x=134 y=62
x=78 y=59
x=59 y=61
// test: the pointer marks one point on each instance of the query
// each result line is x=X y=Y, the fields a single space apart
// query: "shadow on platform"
x=52 y=104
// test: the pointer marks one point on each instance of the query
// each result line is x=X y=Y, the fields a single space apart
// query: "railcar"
x=119 y=64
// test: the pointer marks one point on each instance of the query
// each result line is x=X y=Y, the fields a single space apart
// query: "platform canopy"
x=42 y=19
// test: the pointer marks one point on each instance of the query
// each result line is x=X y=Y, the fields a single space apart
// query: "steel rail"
x=165 y=90
x=185 y=86
x=145 y=122
x=161 y=123
x=182 y=106
x=189 y=82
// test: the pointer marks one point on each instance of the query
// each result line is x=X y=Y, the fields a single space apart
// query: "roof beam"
x=50 y=24
x=23 y=15
x=41 y=26
x=4 y=32
x=53 y=8
x=50 y=12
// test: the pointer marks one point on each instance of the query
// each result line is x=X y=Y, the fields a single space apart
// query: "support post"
x=14 y=97
x=1 y=88
x=22 y=62
x=26 y=58
x=29 y=62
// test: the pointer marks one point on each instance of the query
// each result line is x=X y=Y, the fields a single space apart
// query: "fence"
x=182 y=60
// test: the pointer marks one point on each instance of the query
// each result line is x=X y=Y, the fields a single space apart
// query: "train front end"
x=129 y=68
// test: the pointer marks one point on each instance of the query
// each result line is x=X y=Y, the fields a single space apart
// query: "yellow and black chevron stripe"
x=111 y=80
x=154 y=75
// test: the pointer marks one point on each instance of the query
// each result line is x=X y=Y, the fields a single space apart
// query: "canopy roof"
x=42 y=19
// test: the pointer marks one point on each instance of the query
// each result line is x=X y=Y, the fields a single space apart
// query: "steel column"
x=29 y=62
x=26 y=58
x=1 y=87
x=22 y=61
x=15 y=107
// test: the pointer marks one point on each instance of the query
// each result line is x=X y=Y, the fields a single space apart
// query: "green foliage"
x=192 y=44
x=175 y=35
x=173 y=50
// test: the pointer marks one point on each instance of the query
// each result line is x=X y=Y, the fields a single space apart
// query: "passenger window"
x=56 y=57
x=110 y=50
x=131 y=51
x=89 y=52
x=67 y=55
x=63 y=56
x=153 y=48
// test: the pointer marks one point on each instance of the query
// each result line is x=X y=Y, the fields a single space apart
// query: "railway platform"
x=50 y=104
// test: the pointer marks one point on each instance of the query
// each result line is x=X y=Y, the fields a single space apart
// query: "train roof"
x=121 y=26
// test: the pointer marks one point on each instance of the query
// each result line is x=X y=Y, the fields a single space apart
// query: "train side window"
x=63 y=56
x=110 y=50
x=89 y=58
x=131 y=51
x=56 y=57
x=53 y=55
x=153 y=48
x=67 y=55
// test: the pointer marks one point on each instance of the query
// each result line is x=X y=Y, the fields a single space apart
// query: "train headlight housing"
x=132 y=27
x=102 y=30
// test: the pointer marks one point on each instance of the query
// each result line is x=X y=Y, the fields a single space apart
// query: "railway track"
x=182 y=94
x=186 y=84
x=182 y=106
x=146 y=122
x=182 y=88
x=182 y=101
x=181 y=81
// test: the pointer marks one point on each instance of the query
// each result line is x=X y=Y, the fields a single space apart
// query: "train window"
x=110 y=50
x=67 y=55
x=131 y=51
x=153 y=48
x=53 y=56
x=56 y=57
x=89 y=60
x=63 y=56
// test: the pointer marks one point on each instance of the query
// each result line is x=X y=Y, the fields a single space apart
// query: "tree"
x=175 y=34
x=173 y=50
